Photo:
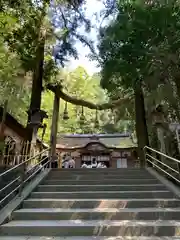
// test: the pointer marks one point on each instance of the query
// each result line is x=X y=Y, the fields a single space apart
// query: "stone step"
x=99 y=170
x=99 y=182
x=91 y=228
x=73 y=188
x=103 y=194
x=94 y=173
x=98 y=177
x=101 y=203
x=87 y=238
x=97 y=214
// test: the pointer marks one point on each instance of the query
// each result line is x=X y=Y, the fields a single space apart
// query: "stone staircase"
x=99 y=204
x=5 y=180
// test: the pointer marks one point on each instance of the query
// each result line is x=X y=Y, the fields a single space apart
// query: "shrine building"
x=115 y=150
x=16 y=141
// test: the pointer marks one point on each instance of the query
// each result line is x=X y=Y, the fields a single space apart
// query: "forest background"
x=137 y=50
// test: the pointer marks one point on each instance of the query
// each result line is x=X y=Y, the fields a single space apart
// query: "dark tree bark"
x=37 y=84
x=37 y=81
x=141 y=126
x=2 y=128
x=37 y=87
x=2 y=124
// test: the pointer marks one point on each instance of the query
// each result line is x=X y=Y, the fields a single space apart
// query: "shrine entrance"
x=86 y=148
x=99 y=157
x=95 y=151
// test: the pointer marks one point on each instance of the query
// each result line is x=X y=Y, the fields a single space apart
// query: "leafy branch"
x=57 y=89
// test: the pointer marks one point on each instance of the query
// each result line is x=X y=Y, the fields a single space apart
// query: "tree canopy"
x=138 y=51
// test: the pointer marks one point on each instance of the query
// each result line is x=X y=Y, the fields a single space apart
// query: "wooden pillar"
x=54 y=127
x=2 y=129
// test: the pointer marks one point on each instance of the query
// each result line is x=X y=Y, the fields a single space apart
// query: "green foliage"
x=11 y=86
x=140 y=44
x=23 y=27
x=80 y=85
x=139 y=51
x=56 y=22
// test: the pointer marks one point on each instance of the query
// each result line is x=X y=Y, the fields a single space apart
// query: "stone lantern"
x=82 y=117
x=159 y=122
x=96 y=123
x=158 y=115
x=65 y=114
x=175 y=127
x=36 y=121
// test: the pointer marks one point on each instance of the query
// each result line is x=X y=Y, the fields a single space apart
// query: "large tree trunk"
x=37 y=81
x=141 y=126
x=177 y=83
x=37 y=84
x=3 y=120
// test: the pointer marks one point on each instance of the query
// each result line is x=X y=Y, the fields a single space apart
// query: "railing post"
x=54 y=129
x=22 y=177
x=178 y=168
x=144 y=150
x=147 y=164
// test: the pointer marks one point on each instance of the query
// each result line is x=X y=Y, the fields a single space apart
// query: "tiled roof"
x=110 y=141
x=114 y=135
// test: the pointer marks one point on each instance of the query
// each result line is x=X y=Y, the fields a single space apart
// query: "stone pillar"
x=159 y=121
x=78 y=162
x=114 y=163
x=54 y=127
x=160 y=133
x=77 y=158
x=110 y=162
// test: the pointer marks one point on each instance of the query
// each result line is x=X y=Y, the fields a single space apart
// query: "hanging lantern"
x=113 y=116
x=96 y=124
x=82 y=117
x=65 y=114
